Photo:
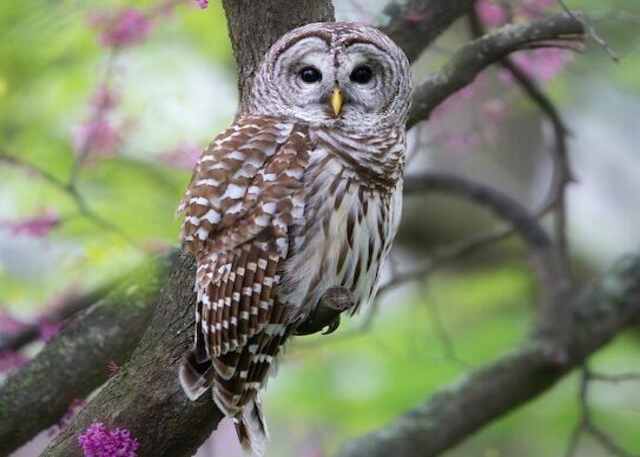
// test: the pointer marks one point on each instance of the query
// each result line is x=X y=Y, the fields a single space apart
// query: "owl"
x=294 y=206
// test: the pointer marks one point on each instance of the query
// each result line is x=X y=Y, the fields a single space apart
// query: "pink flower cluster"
x=126 y=27
x=184 y=156
x=36 y=226
x=541 y=64
x=100 y=441
x=202 y=3
x=98 y=134
x=493 y=13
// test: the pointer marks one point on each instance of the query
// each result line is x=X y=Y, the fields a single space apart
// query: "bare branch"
x=615 y=378
x=71 y=306
x=562 y=174
x=417 y=23
x=477 y=55
x=593 y=33
x=556 y=285
x=454 y=413
x=587 y=425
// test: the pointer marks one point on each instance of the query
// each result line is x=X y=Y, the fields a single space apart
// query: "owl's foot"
x=334 y=302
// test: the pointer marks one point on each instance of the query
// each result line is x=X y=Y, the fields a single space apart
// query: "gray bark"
x=75 y=362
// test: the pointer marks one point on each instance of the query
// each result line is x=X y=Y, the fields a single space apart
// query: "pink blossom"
x=460 y=98
x=541 y=64
x=535 y=8
x=10 y=360
x=202 y=3
x=97 y=135
x=495 y=110
x=126 y=27
x=490 y=13
x=49 y=329
x=112 y=368
x=104 y=99
x=100 y=441
x=416 y=16
x=461 y=141
x=184 y=156
x=37 y=227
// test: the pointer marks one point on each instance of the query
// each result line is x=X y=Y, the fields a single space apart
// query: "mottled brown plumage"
x=293 y=208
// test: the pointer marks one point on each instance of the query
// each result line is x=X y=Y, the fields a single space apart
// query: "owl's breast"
x=348 y=229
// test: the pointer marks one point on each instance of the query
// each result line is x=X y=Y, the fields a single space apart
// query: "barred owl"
x=298 y=201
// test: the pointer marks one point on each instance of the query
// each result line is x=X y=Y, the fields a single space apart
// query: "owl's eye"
x=362 y=74
x=310 y=75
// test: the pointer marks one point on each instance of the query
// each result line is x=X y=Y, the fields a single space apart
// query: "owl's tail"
x=252 y=429
x=197 y=377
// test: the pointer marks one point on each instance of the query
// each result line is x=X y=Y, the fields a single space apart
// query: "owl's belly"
x=348 y=234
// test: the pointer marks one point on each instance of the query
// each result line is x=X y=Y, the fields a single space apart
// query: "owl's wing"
x=243 y=202
x=229 y=179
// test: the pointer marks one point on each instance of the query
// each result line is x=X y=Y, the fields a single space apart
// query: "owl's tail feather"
x=195 y=377
x=251 y=429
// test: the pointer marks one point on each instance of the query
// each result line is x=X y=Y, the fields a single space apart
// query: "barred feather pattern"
x=275 y=215
x=294 y=199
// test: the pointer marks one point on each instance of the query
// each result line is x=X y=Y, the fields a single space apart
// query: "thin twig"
x=562 y=173
x=615 y=378
x=72 y=192
x=593 y=33
x=586 y=424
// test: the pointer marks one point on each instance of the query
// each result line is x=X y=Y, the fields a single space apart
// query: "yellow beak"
x=336 y=101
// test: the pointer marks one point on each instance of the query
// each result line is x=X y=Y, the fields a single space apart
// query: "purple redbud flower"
x=37 y=227
x=126 y=27
x=100 y=441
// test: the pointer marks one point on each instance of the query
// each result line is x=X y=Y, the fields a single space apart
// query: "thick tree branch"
x=477 y=55
x=75 y=362
x=145 y=396
x=70 y=307
x=454 y=413
x=255 y=26
x=417 y=23
x=555 y=282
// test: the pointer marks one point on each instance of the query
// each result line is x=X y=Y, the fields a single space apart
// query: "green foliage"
x=51 y=63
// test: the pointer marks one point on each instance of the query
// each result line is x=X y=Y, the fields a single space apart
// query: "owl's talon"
x=332 y=327
x=334 y=302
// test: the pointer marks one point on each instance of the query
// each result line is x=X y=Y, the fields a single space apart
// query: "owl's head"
x=334 y=74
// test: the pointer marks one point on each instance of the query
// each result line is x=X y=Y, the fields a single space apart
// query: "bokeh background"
x=112 y=102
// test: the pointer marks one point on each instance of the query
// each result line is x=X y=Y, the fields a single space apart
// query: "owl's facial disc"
x=335 y=74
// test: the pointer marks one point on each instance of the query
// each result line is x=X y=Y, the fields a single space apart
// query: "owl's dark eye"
x=362 y=74
x=310 y=75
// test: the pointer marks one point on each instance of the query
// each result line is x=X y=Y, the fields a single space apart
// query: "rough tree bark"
x=144 y=396
x=75 y=363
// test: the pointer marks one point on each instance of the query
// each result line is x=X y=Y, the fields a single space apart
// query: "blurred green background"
x=176 y=89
